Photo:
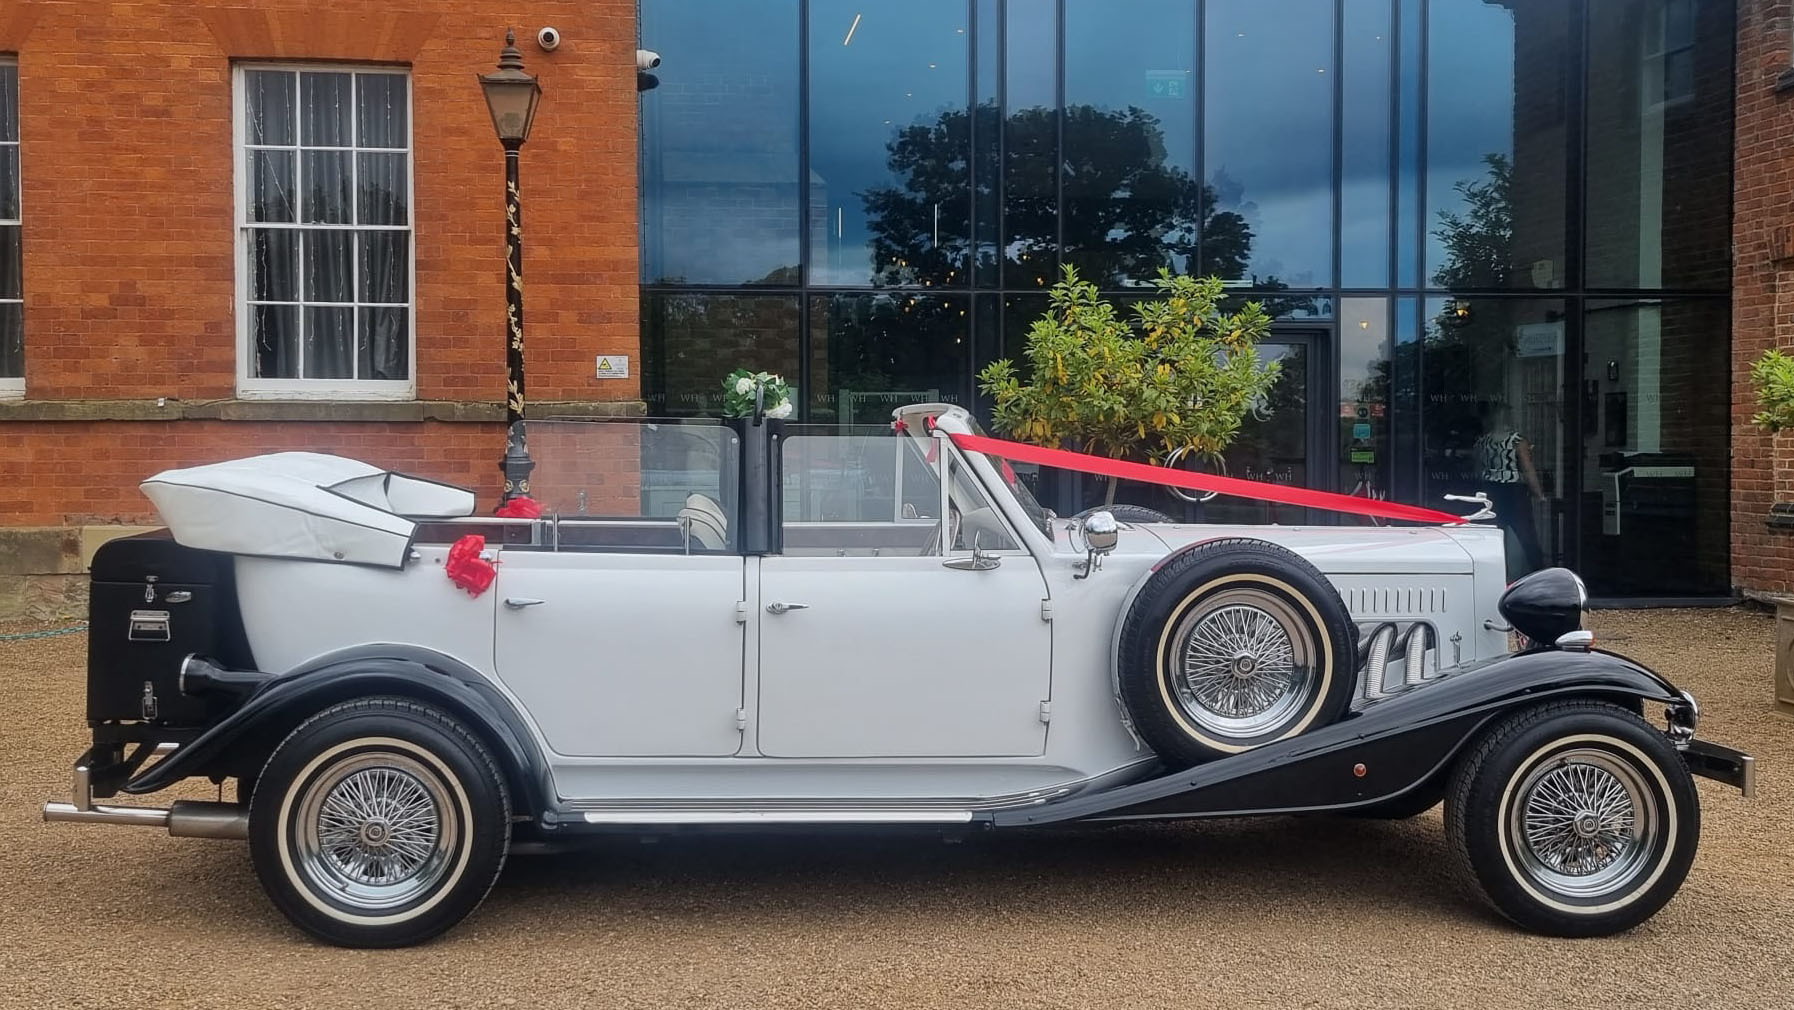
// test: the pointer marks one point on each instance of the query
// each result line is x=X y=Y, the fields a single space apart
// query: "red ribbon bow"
x=520 y=507
x=465 y=567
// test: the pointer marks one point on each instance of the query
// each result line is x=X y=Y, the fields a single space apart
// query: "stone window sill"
x=466 y=411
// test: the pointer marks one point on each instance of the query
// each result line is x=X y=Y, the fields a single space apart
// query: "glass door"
x=1277 y=443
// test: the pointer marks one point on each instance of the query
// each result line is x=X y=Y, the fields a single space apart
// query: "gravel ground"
x=1274 y=913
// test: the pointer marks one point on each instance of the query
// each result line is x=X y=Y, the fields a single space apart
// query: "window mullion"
x=299 y=221
x=354 y=220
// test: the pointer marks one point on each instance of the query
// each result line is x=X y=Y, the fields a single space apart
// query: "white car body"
x=678 y=688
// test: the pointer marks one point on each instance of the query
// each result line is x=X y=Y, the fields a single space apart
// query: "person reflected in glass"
x=1506 y=472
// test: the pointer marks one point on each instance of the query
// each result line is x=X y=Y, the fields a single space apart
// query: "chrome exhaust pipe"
x=1376 y=662
x=147 y=817
x=186 y=819
x=1415 y=644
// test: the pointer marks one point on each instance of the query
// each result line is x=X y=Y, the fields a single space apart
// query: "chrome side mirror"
x=1101 y=533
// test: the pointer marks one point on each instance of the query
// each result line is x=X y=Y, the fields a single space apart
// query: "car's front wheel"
x=1576 y=818
x=379 y=822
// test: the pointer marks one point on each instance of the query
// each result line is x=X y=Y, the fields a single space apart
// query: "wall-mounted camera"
x=646 y=59
x=549 y=38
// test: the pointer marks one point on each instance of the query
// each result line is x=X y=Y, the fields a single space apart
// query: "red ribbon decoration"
x=465 y=567
x=520 y=507
x=1282 y=494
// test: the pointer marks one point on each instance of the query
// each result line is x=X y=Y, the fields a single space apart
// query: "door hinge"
x=1046 y=610
x=1046 y=711
x=741 y=719
x=741 y=612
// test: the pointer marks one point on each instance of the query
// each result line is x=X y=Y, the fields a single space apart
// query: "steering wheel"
x=1194 y=499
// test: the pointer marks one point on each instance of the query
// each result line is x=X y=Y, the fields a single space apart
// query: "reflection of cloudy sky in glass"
x=904 y=65
x=722 y=125
x=1470 y=103
x=1269 y=130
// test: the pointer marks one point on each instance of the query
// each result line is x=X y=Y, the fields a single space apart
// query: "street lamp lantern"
x=511 y=97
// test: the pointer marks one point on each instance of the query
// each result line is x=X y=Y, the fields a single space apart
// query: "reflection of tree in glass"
x=699 y=338
x=1469 y=345
x=1479 y=239
x=910 y=346
x=1127 y=214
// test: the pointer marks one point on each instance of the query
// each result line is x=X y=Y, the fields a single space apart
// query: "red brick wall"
x=126 y=144
x=86 y=473
x=1763 y=289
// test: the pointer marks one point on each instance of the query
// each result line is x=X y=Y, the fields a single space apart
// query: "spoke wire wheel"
x=375 y=831
x=1584 y=826
x=1583 y=823
x=1243 y=662
x=1573 y=817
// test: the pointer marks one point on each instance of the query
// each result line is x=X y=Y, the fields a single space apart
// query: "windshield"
x=1037 y=513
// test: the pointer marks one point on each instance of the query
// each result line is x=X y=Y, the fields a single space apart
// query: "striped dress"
x=1499 y=457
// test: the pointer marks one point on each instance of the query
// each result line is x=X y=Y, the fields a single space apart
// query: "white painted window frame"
x=249 y=386
x=13 y=387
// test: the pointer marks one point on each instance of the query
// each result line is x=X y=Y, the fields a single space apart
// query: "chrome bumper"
x=1721 y=764
x=1708 y=760
x=183 y=819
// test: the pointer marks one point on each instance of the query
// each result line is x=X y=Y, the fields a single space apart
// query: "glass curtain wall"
x=1496 y=230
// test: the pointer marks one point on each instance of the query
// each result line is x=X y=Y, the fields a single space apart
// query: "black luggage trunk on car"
x=152 y=604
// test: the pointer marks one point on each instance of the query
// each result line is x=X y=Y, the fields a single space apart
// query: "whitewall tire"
x=1231 y=645
x=1576 y=818
x=379 y=822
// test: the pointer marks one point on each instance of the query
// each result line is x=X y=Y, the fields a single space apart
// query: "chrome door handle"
x=978 y=562
x=785 y=608
x=519 y=602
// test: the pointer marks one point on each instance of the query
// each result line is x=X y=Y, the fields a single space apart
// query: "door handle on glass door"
x=785 y=608
x=519 y=602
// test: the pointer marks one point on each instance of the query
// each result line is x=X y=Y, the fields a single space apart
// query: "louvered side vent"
x=1370 y=603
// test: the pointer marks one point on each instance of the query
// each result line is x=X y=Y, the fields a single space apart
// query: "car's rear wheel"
x=378 y=823
x=1231 y=645
x=1574 y=819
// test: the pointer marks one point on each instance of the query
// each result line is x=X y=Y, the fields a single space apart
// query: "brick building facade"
x=135 y=222
x=131 y=154
x=1762 y=288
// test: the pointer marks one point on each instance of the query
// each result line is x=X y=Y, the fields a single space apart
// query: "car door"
x=881 y=635
x=620 y=628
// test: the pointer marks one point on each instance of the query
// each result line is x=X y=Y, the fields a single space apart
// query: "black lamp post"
x=511 y=97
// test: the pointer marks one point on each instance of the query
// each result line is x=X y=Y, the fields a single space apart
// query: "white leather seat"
x=703 y=520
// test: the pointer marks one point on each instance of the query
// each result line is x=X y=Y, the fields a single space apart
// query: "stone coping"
x=373 y=411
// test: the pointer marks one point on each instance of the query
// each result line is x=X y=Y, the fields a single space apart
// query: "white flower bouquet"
x=738 y=394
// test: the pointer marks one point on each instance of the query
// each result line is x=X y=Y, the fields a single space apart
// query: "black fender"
x=278 y=706
x=1378 y=753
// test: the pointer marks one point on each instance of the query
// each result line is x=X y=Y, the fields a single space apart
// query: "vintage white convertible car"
x=755 y=623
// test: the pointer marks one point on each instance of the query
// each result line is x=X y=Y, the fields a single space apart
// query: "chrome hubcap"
x=1584 y=823
x=1246 y=664
x=372 y=831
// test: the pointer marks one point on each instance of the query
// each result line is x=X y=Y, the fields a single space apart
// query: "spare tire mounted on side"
x=1233 y=644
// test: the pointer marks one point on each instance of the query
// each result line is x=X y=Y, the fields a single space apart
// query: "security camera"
x=549 y=39
x=646 y=59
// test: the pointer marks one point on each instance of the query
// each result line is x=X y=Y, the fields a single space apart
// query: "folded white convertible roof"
x=302 y=505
